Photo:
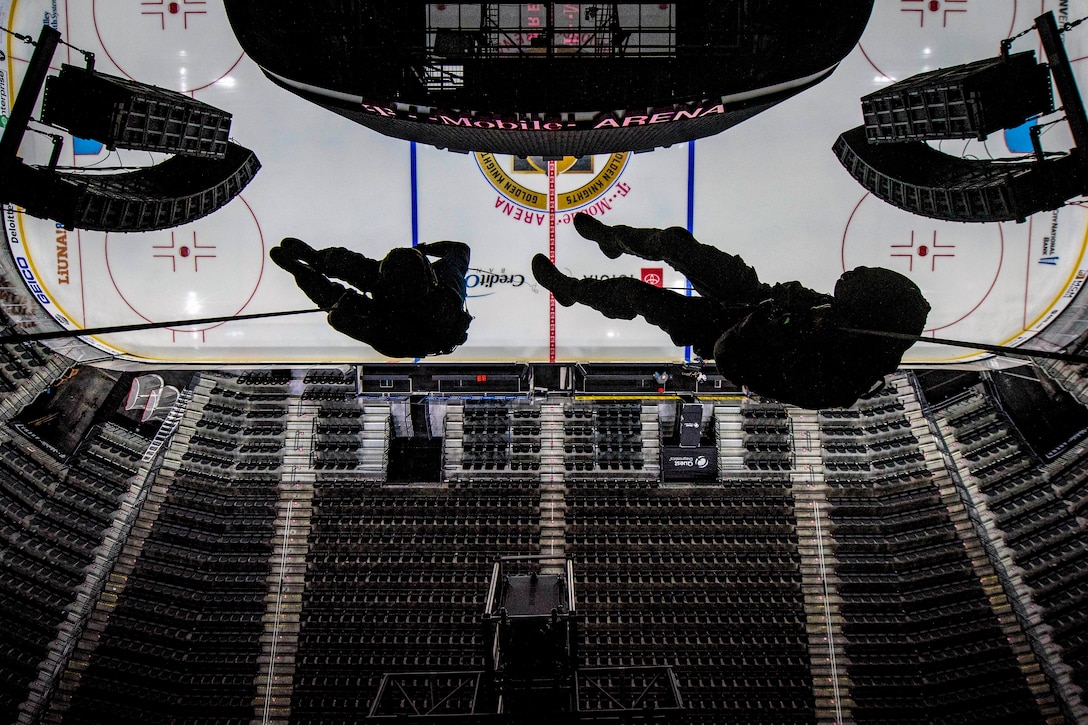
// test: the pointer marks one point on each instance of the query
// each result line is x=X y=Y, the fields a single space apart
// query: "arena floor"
x=769 y=189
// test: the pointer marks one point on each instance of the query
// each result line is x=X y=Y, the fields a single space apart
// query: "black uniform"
x=413 y=308
x=784 y=341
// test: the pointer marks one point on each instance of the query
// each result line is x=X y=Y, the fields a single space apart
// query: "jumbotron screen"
x=549 y=78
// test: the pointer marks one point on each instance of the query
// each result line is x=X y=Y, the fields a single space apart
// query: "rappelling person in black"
x=785 y=341
x=404 y=306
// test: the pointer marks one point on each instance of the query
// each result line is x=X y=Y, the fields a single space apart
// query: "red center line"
x=551 y=257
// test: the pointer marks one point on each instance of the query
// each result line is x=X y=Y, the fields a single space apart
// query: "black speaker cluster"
x=917 y=178
x=122 y=113
x=205 y=172
x=965 y=101
x=169 y=194
x=889 y=154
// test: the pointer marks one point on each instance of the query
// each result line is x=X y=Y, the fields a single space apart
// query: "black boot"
x=287 y=261
x=601 y=233
x=553 y=280
x=293 y=254
x=299 y=250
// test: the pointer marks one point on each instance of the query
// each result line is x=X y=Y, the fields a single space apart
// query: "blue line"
x=691 y=219
x=415 y=196
x=415 y=200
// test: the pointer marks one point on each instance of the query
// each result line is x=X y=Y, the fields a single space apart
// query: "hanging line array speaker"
x=205 y=172
x=889 y=156
x=169 y=194
x=122 y=113
x=964 y=101
x=917 y=178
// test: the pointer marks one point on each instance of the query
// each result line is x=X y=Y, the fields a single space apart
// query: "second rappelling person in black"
x=784 y=341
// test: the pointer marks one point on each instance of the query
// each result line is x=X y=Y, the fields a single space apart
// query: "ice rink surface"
x=769 y=189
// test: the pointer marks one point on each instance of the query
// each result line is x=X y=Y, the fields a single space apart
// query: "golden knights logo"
x=583 y=183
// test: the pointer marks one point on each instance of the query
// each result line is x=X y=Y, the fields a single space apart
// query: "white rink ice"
x=769 y=189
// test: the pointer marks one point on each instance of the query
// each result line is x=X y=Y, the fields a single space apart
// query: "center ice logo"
x=583 y=183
